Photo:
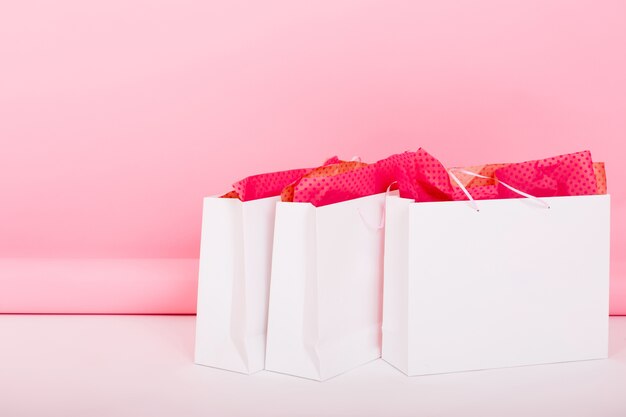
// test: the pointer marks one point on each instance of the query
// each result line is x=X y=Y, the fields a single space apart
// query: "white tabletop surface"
x=143 y=366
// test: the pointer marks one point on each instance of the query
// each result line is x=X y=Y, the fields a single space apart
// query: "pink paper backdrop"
x=117 y=116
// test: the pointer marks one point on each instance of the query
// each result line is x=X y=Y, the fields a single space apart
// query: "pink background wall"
x=117 y=116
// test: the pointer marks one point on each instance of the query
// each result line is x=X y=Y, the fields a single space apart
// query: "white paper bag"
x=233 y=285
x=326 y=287
x=512 y=284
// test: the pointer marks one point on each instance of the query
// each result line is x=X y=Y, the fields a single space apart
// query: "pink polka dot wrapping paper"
x=570 y=173
x=322 y=174
x=269 y=184
x=563 y=175
x=422 y=177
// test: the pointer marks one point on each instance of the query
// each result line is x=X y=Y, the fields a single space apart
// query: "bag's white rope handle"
x=381 y=224
x=473 y=174
x=355 y=159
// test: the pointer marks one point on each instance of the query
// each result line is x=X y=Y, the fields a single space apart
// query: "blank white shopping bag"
x=233 y=285
x=326 y=288
x=514 y=283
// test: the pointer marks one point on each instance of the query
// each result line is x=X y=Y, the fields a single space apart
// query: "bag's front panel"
x=513 y=284
x=220 y=320
x=349 y=271
x=292 y=319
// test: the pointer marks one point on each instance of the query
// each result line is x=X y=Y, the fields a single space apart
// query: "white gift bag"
x=512 y=284
x=233 y=285
x=326 y=287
